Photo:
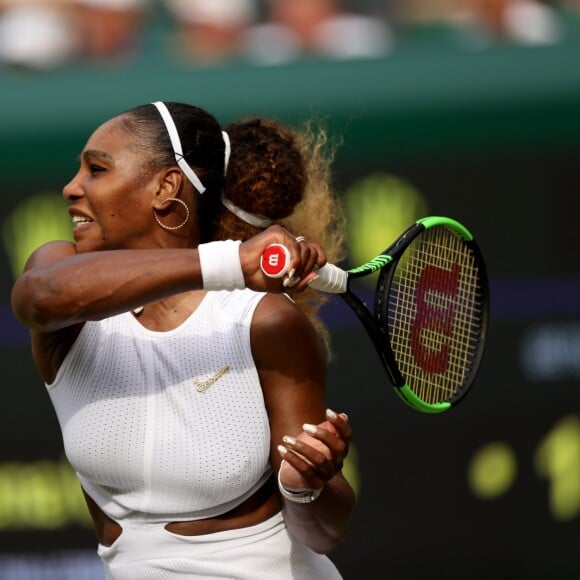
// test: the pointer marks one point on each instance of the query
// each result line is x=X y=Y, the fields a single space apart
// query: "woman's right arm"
x=60 y=288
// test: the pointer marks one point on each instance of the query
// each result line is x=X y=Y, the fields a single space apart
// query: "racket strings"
x=435 y=313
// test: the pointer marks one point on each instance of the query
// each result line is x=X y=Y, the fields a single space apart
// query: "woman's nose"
x=72 y=189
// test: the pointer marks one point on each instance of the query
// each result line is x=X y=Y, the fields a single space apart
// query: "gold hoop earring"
x=171 y=228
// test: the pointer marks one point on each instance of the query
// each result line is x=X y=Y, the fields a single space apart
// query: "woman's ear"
x=170 y=182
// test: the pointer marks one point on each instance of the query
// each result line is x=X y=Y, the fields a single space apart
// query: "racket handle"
x=331 y=278
x=275 y=262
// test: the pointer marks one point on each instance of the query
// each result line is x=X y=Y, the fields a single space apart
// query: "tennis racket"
x=430 y=317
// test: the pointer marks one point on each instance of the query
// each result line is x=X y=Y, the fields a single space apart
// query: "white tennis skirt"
x=265 y=551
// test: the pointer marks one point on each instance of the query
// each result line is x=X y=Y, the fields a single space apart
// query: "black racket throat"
x=392 y=253
x=376 y=336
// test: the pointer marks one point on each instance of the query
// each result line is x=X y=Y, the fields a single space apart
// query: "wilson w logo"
x=435 y=295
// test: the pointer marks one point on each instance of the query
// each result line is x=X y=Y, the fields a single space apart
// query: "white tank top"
x=166 y=426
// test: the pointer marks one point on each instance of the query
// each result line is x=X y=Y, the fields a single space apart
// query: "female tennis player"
x=189 y=389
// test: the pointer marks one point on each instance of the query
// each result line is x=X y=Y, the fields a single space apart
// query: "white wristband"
x=305 y=496
x=221 y=268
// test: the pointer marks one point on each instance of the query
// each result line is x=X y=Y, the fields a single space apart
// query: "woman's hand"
x=304 y=258
x=316 y=455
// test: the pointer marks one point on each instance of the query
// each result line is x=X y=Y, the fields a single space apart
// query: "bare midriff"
x=257 y=508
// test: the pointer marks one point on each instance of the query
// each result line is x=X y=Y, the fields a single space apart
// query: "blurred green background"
x=485 y=132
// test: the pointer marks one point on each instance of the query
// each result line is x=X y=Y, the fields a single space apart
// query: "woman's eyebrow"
x=92 y=153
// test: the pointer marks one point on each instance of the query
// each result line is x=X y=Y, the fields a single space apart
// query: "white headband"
x=227 y=150
x=250 y=218
x=253 y=219
x=176 y=144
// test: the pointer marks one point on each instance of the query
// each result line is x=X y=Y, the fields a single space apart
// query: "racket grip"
x=331 y=279
x=275 y=262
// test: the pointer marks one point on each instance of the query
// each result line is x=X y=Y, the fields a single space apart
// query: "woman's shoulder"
x=284 y=338
x=275 y=307
x=278 y=317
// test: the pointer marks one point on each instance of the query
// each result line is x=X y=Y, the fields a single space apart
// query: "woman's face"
x=112 y=195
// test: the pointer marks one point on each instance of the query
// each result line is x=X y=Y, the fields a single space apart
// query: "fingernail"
x=291 y=273
x=282 y=450
x=309 y=428
x=331 y=414
x=289 y=440
x=313 y=278
x=289 y=282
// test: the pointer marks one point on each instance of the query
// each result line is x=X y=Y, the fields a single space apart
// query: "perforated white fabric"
x=166 y=426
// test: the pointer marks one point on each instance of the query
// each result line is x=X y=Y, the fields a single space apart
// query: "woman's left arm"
x=291 y=362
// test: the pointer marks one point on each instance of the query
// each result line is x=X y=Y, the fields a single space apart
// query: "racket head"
x=431 y=307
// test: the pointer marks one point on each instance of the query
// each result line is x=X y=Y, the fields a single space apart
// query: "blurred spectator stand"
x=109 y=31
x=35 y=34
x=300 y=28
x=210 y=32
